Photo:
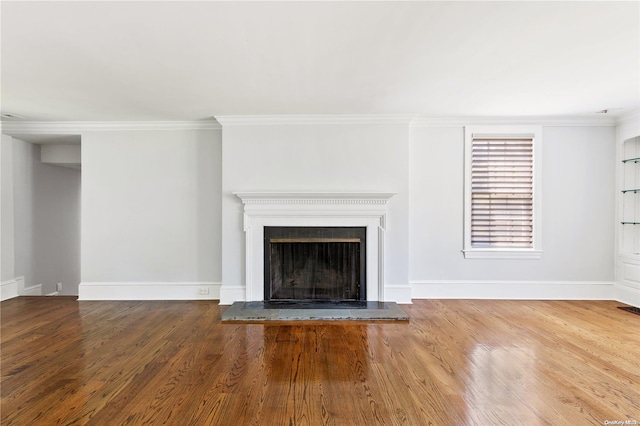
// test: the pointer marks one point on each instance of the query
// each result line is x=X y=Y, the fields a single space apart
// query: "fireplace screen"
x=314 y=263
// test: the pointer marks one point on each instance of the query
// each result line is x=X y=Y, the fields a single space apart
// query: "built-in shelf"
x=629 y=232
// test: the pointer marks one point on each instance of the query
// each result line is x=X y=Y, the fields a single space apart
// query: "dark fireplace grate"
x=314 y=263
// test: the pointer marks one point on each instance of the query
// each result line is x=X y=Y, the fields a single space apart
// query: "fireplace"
x=263 y=210
x=314 y=263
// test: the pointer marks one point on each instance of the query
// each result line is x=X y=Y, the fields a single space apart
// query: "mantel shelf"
x=301 y=198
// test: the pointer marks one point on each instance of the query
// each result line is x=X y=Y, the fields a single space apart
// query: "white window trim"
x=504 y=253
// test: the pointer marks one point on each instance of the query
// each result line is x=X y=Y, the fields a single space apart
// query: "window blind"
x=502 y=193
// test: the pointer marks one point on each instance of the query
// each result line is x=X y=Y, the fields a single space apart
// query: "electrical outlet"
x=203 y=290
x=59 y=287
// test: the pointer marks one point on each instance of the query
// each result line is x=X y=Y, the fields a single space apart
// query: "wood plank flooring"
x=457 y=362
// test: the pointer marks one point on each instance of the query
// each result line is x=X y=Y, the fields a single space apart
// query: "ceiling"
x=174 y=61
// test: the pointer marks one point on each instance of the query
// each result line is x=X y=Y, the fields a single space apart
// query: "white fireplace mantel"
x=314 y=197
x=353 y=209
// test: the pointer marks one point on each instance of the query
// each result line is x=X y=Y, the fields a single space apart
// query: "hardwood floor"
x=457 y=362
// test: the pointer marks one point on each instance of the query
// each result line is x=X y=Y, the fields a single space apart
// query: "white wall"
x=151 y=214
x=316 y=157
x=577 y=224
x=6 y=213
x=46 y=221
x=160 y=220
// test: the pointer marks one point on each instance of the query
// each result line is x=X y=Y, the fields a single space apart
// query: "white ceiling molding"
x=413 y=120
x=78 y=127
x=547 y=121
x=266 y=120
x=629 y=117
x=628 y=126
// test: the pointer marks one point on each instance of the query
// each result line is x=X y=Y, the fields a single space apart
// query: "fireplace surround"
x=314 y=209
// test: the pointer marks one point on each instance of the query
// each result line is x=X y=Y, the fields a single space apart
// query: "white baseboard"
x=398 y=293
x=149 y=291
x=15 y=287
x=8 y=289
x=34 y=290
x=627 y=294
x=230 y=294
x=20 y=282
x=431 y=289
x=524 y=290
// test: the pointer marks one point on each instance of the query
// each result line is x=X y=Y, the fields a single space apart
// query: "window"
x=502 y=199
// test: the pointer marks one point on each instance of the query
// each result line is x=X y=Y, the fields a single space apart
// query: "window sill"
x=502 y=254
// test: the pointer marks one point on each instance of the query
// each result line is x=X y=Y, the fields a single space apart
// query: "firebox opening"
x=314 y=263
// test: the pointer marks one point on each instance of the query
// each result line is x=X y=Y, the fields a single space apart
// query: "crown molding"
x=629 y=117
x=266 y=120
x=548 y=121
x=78 y=127
x=628 y=126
